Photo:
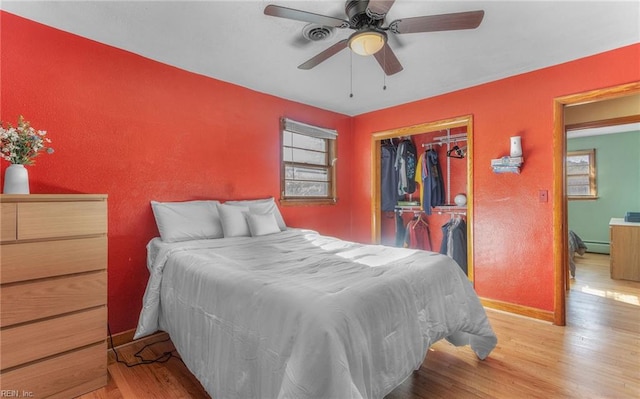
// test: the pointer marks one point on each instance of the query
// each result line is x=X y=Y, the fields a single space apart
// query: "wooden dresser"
x=625 y=249
x=53 y=293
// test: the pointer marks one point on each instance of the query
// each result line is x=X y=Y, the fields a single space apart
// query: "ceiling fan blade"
x=388 y=60
x=434 y=23
x=321 y=57
x=395 y=41
x=377 y=9
x=299 y=15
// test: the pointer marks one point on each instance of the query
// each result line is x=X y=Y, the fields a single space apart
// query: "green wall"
x=618 y=185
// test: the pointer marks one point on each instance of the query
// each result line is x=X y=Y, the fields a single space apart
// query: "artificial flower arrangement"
x=21 y=144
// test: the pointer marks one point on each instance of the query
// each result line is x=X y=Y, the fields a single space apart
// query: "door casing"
x=560 y=221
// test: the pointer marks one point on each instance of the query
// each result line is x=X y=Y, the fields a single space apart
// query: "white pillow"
x=189 y=220
x=234 y=222
x=262 y=224
x=262 y=206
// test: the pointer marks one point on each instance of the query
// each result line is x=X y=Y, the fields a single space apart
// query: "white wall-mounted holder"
x=516 y=147
x=507 y=164
x=510 y=163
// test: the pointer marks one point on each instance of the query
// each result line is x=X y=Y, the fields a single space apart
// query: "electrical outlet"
x=543 y=196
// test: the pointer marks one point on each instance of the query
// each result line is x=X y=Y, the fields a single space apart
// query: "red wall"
x=513 y=242
x=139 y=130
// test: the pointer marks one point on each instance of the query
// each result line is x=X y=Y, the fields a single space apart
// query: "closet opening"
x=432 y=208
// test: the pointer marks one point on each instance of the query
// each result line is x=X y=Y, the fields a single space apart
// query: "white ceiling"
x=235 y=42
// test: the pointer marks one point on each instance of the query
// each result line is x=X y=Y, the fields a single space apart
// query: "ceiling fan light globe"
x=367 y=42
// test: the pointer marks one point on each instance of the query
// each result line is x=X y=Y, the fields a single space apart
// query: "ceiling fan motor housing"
x=358 y=17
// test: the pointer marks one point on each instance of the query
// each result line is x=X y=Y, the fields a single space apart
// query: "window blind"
x=308 y=130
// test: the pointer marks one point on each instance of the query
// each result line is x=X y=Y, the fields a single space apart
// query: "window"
x=581 y=174
x=308 y=163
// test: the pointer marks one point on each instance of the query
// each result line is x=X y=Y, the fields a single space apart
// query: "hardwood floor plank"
x=597 y=355
x=120 y=380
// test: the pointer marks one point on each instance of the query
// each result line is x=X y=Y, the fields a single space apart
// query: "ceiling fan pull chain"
x=384 y=74
x=351 y=74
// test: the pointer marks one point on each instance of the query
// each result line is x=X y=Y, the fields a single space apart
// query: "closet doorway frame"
x=427 y=127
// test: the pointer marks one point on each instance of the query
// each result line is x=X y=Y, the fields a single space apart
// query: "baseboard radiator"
x=598 y=247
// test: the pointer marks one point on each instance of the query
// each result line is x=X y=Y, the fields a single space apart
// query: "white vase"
x=16 y=180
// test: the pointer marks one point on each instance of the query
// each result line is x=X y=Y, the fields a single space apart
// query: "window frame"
x=330 y=138
x=593 y=188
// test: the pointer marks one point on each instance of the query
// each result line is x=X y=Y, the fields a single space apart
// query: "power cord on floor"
x=160 y=359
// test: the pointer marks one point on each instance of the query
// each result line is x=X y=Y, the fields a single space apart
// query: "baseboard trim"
x=126 y=337
x=521 y=310
x=121 y=338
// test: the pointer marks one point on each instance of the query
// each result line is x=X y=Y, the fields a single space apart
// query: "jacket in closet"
x=406 y=160
x=454 y=242
x=417 y=234
x=388 y=177
x=433 y=183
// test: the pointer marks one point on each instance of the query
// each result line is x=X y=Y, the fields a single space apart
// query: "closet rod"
x=443 y=140
x=415 y=211
x=463 y=213
x=449 y=138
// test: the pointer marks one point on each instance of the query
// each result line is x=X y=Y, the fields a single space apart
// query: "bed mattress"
x=300 y=315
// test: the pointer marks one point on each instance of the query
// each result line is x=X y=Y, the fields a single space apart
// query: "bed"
x=295 y=314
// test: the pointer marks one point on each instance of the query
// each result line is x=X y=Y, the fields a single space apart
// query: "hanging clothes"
x=454 y=242
x=388 y=176
x=417 y=234
x=400 y=229
x=419 y=178
x=433 y=187
x=425 y=197
x=406 y=160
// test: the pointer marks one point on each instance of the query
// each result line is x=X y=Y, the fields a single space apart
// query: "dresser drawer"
x=38 y=220
x=8 y=222
x=51 y=336
x=32 y=260
x=22 y=302
x=64 y=376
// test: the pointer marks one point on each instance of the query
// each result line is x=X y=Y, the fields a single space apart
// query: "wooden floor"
x=597 y=355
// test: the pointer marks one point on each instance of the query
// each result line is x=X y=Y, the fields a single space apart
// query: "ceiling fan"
x=370 y=36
